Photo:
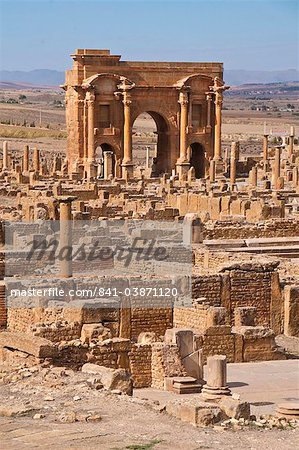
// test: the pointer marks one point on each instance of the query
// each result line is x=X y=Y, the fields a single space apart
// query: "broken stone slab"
x=196 y=412
x=250 y=332
x=33 y=345
x=92 y=331
x=234 y=409
x=111 y=378
x=17 y=410
x=193 y=364
x=184 y=339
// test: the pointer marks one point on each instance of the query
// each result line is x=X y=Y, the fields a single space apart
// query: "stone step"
x=192 y=389
x=184 y=380
x=186 y=386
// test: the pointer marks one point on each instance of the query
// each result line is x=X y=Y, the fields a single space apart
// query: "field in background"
x=37 y=117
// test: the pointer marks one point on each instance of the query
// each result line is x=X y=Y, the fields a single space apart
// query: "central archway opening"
x=150 y=144
x=105 y=160
x=144 y=141
x=197 y=159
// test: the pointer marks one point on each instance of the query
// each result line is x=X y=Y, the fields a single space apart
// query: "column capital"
x=183 y=98
x=219 y=99
x=90 y=97
x=126 y=99
x=209 y=96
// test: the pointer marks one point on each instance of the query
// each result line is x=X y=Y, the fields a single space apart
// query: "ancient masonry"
x=240 y=215
x=104 y=95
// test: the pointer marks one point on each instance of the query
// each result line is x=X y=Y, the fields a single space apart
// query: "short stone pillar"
x=253 y=177
x=192 y=229
x=147 y=160
x=212 y=170
x=276 y=168
x=56 y=165
x=36 y=160
x=295 y=177
x=280 y=183
x=65 y=236
x=216 y=377
x=291 y=142
x=26 y=159
x=108 y=164
x=117 y=168
x=18 y=168
x=226 y=160
x=233 y=163
x=191 y=175
x=265 y=147
x=5 y=165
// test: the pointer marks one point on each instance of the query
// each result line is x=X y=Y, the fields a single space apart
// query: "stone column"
x=147 y=160
x=217 y=148
x=253 y=177
x=218 y=88
x=26 y=159
x=212 y=170
x=36 y=160
x=291 y=142
x=265 y=147
x=127 y=163
x=108 y=164
x=216 y=377
x=183 y=101
x=85 y=129
x=226 y=160
x=90 y=146
x=183 y=162
x=65 y=240
x=209 y=101
x=233 y=163
x=5 y=155
x=276 y=169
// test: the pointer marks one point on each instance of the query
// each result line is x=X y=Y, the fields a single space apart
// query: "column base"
x=219 y=166
x=127 y=170
x=211 y=393
x=90 y=170
x=182 y=168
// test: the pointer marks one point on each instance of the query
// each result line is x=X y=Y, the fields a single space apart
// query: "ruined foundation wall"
x=150 y=319
x=241 y=230
x=141 y=365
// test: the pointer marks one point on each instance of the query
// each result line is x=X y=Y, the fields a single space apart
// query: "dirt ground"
x=46 y=407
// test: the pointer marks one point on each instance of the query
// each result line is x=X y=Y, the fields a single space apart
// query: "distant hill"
x=14 y=86
x=47 y=77
x=38 y=77
x=238 y=77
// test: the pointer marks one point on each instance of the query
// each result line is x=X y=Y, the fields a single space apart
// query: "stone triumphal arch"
x=105 y=95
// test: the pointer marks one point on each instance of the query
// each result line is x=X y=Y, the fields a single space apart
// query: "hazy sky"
x=255 y=34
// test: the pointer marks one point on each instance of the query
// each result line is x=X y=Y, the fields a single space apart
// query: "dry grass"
x=11 y=131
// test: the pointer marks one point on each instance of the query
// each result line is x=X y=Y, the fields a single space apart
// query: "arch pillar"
x=91 y=170
x=183 y=163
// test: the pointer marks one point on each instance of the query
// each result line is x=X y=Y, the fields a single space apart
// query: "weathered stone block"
x=36 y=346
